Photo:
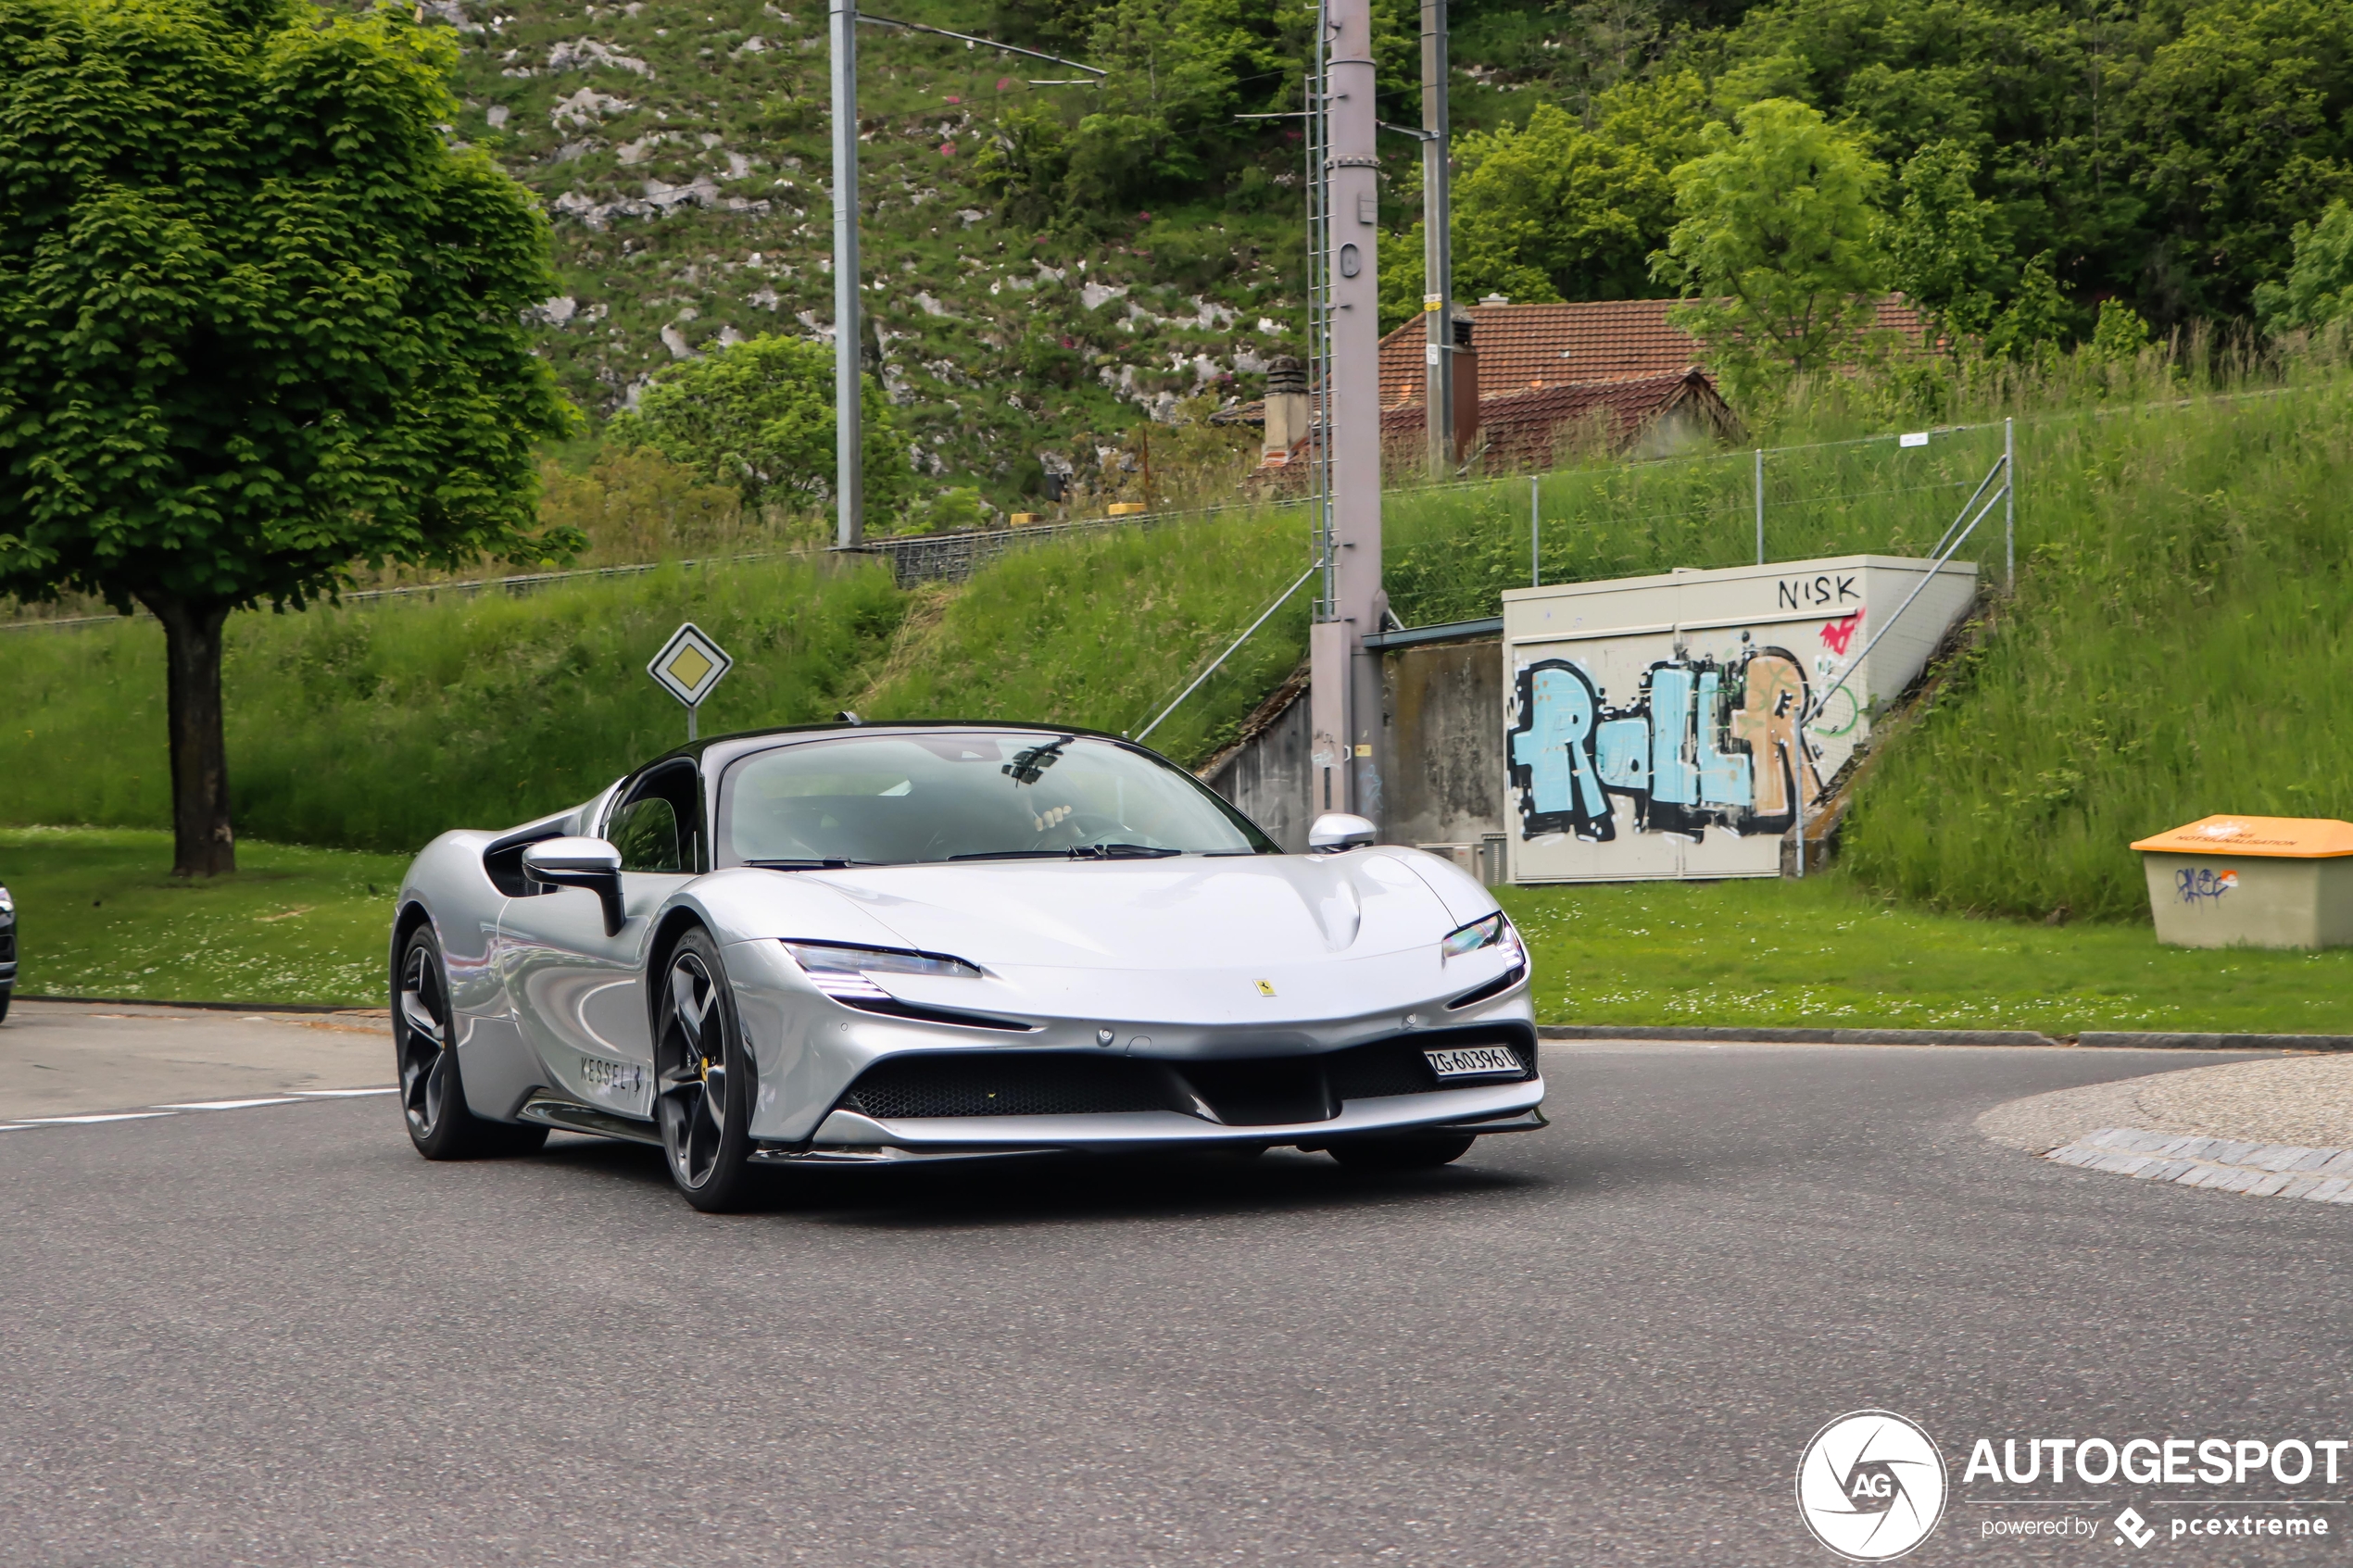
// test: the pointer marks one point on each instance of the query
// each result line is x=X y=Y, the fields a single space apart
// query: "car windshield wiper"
x=1014 y=855
x=1075 y=852
x=829 y=863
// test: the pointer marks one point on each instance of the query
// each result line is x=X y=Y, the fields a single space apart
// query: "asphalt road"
x=274 y=1335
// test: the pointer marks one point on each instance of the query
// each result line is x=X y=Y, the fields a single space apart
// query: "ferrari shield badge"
x=689 y=665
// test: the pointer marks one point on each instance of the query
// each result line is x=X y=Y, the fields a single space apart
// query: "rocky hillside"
x=682 y=152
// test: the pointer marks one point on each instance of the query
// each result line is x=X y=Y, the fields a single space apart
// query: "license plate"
x=1476 y=1062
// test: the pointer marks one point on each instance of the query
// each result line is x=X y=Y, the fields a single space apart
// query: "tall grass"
x=2178 y=646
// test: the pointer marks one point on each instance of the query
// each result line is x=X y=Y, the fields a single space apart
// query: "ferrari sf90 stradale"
x=886 y=943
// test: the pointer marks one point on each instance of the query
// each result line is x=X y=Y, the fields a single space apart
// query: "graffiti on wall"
x=1703 y=744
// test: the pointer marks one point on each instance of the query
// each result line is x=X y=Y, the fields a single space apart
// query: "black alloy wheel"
x=1403 y=1153
x=703 y=1080
x=432 y=1099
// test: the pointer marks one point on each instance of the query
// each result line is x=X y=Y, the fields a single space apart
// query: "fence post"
x=1760 y=505
x=2009 y=505
x=1535 y=532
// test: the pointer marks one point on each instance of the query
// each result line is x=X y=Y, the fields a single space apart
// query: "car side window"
x=657 y=825
x=646 y=832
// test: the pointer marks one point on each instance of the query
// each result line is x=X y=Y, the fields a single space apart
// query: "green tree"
x=257 y=323
x=1776 y=240
x=1940 y=247
x=759 y=415
x=1553 y=210
x=2318 y=289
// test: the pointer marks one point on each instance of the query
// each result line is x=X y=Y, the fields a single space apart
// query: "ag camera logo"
x=1870 y=1485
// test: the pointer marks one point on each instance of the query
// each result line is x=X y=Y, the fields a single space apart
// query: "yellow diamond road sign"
x=689 y=665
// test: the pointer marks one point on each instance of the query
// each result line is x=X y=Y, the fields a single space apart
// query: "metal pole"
x=692 y=709
x=1345 y=701
x=1760 y=505
x=849 y=477
x=1437 y=250
x=2009 y=507
x=1535 y=532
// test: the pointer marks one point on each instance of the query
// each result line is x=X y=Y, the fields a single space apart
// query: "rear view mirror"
x=1336 y=830
x=580 y=863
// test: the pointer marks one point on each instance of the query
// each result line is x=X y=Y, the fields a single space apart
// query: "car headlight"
x=1494 y=930
x=841 y=971
x=7 y=908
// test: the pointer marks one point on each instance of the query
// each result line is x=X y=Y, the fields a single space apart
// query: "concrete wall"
x=1442 y=761
x=1442 y=753
x=1268 y=776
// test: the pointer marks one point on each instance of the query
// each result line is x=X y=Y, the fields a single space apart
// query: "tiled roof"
x=1524 y=429
x=1525 y=346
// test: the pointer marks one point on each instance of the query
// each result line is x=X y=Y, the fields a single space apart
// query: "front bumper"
x=846 y=1138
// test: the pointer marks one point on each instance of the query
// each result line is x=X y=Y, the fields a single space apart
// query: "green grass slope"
x=376 y=726
x=2178 y=646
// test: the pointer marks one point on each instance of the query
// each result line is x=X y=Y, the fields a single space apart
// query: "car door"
x=578 y=990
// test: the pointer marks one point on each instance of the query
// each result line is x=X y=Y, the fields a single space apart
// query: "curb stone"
x=1801 y=1037
x=2138 y=1040
x=2258 y=1169
x=207 y=1007
x=1951 y=1037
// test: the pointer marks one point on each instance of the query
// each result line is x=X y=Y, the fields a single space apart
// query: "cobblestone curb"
x=2138 y=1040
x=2258 y=1169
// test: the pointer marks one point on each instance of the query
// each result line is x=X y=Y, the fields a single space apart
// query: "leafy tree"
x=1553 y=210
x=759 y=415
x=2030 y=328
x=1941 y=246
x=2243 y=124
x=2121 y=334
x=1777 y=242
x=257 y=322
x=2318 y=289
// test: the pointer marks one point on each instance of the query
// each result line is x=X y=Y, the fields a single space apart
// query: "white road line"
x=229 y=1104
x=83 y=1120
x=343 y=1094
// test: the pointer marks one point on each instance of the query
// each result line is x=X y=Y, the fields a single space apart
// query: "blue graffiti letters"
x=1553 y=752
x=2203 y=884
x=1703 y=744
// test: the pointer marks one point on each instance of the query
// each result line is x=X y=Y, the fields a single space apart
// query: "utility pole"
x=849 y=473
x=1345 y=701
x=1438 y=246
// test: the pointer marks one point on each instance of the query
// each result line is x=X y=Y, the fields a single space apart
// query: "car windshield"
x=896 y=799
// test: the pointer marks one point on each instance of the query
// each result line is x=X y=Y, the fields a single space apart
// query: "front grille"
x=1244 y=1092
x=1008 y=1083
x=8 y=944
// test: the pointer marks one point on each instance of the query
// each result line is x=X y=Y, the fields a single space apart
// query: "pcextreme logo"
x=1870 y=1485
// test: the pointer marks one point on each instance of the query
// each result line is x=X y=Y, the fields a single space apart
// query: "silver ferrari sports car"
x=886 y=943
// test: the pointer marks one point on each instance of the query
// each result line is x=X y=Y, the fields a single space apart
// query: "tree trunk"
x=202 y=844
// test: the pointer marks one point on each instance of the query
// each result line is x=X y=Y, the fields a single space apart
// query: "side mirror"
x=1337 y=830
x=580 y=863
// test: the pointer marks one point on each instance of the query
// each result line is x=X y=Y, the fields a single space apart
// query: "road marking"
x=229 y=1104
x=83 y=1120
x=344 y=1094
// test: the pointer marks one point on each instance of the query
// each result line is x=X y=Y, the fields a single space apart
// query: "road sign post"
x=688 y=666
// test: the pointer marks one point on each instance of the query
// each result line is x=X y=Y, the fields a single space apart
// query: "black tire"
x=703 y=1083
x=433 y=1101
x=5 y=992
x=1401 y=1153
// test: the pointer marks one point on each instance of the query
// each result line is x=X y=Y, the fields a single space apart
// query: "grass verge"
x=97 y=916
x=1827 y=953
